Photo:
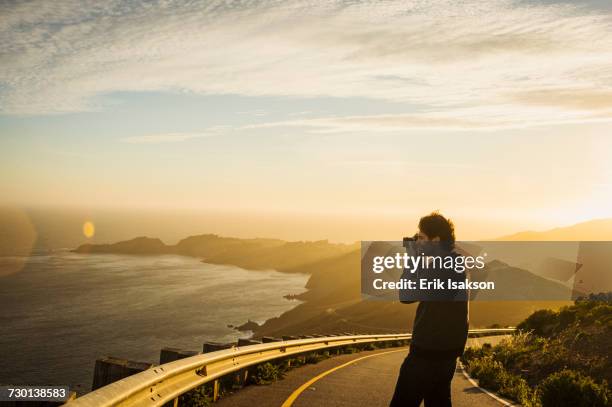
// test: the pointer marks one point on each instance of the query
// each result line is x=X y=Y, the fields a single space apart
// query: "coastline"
x=332 y=302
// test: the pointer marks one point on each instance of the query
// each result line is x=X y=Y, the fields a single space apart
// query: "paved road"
x=366 y=379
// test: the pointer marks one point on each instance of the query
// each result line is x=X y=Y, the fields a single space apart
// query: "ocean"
x=61 y=311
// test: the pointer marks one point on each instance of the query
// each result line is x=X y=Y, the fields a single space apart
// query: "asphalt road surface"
x=361 y=379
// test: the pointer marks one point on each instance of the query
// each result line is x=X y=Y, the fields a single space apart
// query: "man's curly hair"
x=436 y=225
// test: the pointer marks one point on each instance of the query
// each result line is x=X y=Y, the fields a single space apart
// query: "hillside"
x=333 y=304
x=597 y=229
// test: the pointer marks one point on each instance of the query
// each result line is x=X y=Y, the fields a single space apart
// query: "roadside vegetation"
x=556 y=358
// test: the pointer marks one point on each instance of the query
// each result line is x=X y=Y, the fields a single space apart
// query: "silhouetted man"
x=440 y=326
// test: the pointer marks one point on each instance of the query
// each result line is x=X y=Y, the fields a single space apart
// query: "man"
x=440 y=326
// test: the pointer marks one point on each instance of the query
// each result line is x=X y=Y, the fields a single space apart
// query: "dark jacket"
x=441 y=322
x=440 y=329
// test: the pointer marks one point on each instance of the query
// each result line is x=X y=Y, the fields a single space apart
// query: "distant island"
x=253 y=254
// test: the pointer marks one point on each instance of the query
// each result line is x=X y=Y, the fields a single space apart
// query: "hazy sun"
x=88 y=229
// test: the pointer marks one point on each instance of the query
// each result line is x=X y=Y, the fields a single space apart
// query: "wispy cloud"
x=483 y=118
x=507 y=60
x=162 y=138
x=176 y=137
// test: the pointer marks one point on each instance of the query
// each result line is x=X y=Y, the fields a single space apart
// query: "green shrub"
x=492 y=375
x=316 y=357
x=601 y=312
x=541 y=323
x=516 y=388
x=488 y=371
x=198 y=397
x=266 y=373
x=568 y=388
x=369 y=346
x=509 y=351
x=567 y=316
x=471 y=353
x=297 y=361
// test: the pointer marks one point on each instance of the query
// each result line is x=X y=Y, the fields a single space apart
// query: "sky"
x=495 y=112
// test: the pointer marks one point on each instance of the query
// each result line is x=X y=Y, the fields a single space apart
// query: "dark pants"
x=424 y=379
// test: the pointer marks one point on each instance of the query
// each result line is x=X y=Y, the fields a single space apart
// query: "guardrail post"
x=242 y=375
x=167 y=355
x=213 y=347
x=110 y=369
x=240 y=378
x=216 y=390
x=302 y=357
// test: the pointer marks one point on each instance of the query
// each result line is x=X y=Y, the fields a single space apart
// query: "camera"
x=408 y=241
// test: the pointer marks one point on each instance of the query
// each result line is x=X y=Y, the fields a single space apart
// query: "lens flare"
x=89 y=229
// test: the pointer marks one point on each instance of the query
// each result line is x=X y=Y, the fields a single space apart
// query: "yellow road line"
x=291 y=399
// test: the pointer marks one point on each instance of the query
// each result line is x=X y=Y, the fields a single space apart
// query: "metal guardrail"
x=163 y=383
